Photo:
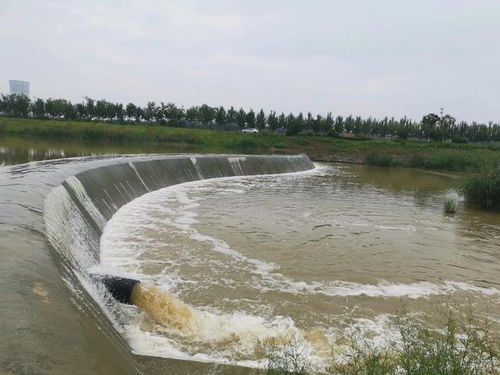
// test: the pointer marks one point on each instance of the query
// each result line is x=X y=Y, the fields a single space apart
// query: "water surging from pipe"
x=246 y=337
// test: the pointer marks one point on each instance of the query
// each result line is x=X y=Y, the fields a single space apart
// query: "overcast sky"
x=365 y=57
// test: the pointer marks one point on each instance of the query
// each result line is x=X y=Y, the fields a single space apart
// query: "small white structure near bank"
x=19 y=87
x=250 y=130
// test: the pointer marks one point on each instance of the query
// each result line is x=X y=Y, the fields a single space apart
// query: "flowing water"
x=244 y=261
x=228 y=267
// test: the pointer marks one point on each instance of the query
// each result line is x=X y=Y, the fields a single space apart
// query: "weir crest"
x=76 y=211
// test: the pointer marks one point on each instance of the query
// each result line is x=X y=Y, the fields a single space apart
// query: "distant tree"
x=260 y=121
x=90 y=108
x=193 y=114
x=231 y=116
x=241 y=118
x=339 y=125
x=173 y=115
x=282 y=121
x=429 y=126
x=131 y=112
x=207 y=114
x=15 y=105
x=272 y=120
x=220 y=117
x=309 y=122
x=250 y=119
x=150 y=112
x=327 y=125
x=295 y=125
x=317 y=128
x=38 y=108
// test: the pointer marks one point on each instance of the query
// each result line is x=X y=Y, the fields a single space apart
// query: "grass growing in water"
x=462 y=346
x=450 y=204
x=483 y=189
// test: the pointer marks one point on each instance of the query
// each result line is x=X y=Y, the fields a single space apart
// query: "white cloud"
x=363 y=57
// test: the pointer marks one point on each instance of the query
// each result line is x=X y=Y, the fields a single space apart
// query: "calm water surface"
x=15 y=150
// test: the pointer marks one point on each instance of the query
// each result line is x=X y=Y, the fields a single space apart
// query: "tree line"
x=431 y=127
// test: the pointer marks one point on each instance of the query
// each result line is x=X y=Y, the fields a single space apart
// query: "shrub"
x=483 y=189
x=288 y=355
x=463 y=346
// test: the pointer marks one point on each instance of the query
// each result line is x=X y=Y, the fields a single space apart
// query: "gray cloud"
x=365 y=57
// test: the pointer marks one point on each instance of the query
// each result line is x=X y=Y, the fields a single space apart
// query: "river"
x=246 y=259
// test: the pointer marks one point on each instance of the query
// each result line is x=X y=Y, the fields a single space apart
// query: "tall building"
x=19 y=87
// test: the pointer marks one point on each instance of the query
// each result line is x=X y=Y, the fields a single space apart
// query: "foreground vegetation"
x=464 y=345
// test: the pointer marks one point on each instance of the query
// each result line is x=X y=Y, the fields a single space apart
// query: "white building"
x=19 y=87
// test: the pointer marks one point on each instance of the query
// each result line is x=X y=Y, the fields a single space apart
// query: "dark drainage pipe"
x=119 y=287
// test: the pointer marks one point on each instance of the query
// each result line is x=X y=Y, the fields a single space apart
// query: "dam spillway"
x=69 y=201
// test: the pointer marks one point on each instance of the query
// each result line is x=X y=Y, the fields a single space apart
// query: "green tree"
x=250 y=119
x=241 y=118
x=220 y=117
x=232 y=116
x=260 y=122
x=207 y=114
x=38 y=108
x=272 y=120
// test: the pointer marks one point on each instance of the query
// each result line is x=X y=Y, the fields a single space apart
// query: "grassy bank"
x=431 y=155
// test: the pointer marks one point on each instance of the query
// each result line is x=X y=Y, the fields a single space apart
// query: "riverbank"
x=419 y=154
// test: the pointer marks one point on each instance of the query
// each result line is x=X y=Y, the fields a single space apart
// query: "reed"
x=482 y=189
x=450 y=204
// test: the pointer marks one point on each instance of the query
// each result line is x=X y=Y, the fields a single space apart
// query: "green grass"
x=448 y=160
x=280 y=145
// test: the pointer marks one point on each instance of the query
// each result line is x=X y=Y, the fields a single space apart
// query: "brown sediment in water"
x=318 y=340
x=162 y=307
x=165 y=310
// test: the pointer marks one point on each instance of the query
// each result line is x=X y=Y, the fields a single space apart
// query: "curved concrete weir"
x=77 y=209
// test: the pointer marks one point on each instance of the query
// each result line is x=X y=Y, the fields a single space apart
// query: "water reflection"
x=15 y=150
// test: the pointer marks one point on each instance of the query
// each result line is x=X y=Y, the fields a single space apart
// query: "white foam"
x=184 y=216
x=176 y=206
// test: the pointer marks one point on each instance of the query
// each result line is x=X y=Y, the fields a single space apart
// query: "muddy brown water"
x=311 y=254
x=314 y=253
